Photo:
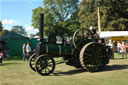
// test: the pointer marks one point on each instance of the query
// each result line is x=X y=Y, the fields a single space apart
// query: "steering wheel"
x=82 y=35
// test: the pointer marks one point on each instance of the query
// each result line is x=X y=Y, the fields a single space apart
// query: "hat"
x=91 y=28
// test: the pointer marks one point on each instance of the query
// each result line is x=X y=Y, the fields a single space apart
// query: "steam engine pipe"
x=41 y=27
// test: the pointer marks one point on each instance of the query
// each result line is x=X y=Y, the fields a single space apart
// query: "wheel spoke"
x=92 y=62
x=87 y=54
x=90 y=50
x=88 y=61
x=50 y=65
x=99 y=63
x=45 y=70
x=99 y=50
x=93 y=48
x=48 y=68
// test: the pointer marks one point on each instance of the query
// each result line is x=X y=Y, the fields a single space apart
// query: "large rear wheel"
x=92 y=56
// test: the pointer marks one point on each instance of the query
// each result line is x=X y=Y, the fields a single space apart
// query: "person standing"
x=110 y=44
x=1 y=56
x=6 y=50
x=118 y=47
x=123 y=49
x=24 y=52
x=28 y=50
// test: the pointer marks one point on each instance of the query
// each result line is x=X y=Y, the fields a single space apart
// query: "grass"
x=17 y=72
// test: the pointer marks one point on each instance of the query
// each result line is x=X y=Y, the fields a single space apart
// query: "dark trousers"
x=1 y=60
x=25 y=57
x=118 y=49
x=111 y=53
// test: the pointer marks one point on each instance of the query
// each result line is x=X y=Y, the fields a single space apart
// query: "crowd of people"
x=121 y=48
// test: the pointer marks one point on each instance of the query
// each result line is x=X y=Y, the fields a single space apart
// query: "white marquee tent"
x=109 y=34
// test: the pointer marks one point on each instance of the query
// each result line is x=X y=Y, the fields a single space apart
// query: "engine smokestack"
x=41 y=27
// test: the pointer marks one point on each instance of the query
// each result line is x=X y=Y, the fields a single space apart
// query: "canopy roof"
x=108 y=34
x=13 y=35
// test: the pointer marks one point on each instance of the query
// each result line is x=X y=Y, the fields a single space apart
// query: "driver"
x=94 y=33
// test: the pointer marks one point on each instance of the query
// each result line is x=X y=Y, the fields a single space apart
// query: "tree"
x=57 y=15
x=113 y=14
x=59 y=12
x=73 y=23
x=87 y=13
x=61 y=9
x=1 y=26
x=35 y=16
x=19 y=30
x=118 y=12
x=3 y=32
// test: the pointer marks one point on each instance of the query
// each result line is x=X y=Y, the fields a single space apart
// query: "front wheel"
x=44 y=65
x=32 y=62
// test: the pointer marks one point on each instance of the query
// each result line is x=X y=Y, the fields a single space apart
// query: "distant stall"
x=115 y=36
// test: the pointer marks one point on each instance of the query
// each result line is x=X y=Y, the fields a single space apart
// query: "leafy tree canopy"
x=57 y=15
x=19 y=29
x=35 y=16
x=113 y=14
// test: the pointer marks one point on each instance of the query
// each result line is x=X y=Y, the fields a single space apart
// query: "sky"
x=18 y=12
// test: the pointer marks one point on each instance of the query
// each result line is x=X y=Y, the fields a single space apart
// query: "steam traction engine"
x=83 y=53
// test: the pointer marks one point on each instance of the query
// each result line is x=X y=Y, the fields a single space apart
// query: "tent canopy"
x=109 y=34
x=13 y=35
x=14 y=42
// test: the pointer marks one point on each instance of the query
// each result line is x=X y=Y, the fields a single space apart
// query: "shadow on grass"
x=114 y=67
x=71 y=72
x=77 y=71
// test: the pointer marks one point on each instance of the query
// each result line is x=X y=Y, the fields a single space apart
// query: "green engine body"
x=55 y=49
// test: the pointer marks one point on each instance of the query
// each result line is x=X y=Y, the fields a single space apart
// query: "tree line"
x=65 y=16
x=18 y=29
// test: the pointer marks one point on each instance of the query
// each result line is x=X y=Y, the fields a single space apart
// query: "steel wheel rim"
x=83 y=33
x=32 y=62
x=45 y=65
x=92 y=56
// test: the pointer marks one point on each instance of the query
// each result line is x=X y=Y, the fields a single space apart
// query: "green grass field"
x=17 y=72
